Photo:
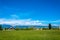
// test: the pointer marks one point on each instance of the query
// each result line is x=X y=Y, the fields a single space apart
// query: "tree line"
x=49 y=28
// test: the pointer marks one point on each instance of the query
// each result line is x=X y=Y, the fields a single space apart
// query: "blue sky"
x=42 y=10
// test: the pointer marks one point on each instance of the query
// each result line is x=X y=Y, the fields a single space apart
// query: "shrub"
x=17 y=28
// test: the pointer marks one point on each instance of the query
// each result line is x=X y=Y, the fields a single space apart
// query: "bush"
x=17 y=29
x=6 y=28
x=45 y=28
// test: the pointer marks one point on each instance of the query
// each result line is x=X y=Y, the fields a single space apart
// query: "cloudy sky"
x=29 y=12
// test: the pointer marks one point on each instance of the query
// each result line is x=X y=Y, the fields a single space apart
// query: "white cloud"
x=24 y=22
x=14 y=21
x=20 y=22
x=55 y=25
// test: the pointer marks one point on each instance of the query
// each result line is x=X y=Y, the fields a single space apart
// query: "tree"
x=49 y=26
x=1 y=27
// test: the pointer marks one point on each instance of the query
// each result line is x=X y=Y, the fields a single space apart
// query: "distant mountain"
x=25 y=26
x=6 y=26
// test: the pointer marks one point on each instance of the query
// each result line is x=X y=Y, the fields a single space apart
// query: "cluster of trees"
x=31 y=28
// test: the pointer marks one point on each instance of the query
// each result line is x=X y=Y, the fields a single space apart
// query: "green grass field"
x=30 y=35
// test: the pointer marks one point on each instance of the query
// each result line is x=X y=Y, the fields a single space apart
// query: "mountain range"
x=25 y=26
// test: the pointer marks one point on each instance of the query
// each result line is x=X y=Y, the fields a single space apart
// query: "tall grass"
x=30 y=35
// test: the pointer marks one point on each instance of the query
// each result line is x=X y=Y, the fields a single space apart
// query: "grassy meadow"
x=30 y=35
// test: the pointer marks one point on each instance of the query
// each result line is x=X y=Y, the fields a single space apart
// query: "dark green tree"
x=49 y=26
x=1 y=27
